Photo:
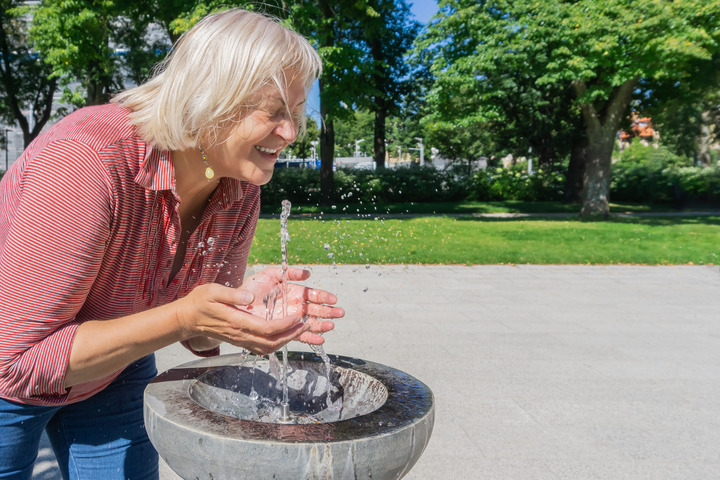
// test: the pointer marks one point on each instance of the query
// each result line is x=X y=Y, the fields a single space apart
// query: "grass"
x=475 y=241
x=464 y=208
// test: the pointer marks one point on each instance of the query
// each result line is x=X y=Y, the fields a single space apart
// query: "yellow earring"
x=209 y=172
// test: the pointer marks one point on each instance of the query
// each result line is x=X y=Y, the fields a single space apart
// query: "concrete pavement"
x=540 y=372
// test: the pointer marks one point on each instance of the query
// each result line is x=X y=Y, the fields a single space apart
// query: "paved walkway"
x=541 y=372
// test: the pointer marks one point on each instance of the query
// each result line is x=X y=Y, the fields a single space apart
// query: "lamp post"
x=313 y=152
x=420 y=148
x=357 y=147
x=530 y=162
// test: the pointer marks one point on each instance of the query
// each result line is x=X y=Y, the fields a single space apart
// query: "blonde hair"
x=210 y=77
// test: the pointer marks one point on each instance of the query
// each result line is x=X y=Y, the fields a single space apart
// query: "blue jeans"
x=102 y=437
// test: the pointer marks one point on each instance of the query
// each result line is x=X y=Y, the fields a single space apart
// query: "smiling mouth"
x=268 y=151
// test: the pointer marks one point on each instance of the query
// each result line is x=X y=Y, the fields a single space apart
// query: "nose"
x=287 y=129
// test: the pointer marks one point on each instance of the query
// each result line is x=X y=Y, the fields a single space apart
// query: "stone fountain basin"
x=195 y=420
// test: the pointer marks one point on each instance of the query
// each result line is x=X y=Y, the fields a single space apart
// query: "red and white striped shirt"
x=89 y=227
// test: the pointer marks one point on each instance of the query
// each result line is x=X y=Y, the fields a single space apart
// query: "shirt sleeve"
x=57 y=218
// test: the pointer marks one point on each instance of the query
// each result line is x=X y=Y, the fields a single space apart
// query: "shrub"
x=516 y=184
x=407 y=184
x=648 y=174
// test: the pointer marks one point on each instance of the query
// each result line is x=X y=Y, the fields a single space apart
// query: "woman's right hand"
x=211 y=310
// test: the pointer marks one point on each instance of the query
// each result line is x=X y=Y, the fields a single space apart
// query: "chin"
x=261 y=179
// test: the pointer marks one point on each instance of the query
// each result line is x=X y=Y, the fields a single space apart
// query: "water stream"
x=279 y=371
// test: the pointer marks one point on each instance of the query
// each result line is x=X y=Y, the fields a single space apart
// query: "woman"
x=126 y=228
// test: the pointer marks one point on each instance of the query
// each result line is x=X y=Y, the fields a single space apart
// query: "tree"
x=329 y=25
x=599 y=49
x=302 y=147
x=74 y=37
x=687 y=114
x=25 y=82
x=95 y=46
x=389 y=34
x=356 y=126
x=508 y=111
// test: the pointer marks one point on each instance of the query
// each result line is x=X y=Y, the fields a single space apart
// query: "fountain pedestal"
x=194 y=419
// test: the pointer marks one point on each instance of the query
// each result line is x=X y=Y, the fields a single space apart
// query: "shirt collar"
x=156 y=170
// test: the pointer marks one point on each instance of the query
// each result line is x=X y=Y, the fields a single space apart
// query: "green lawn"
x=472 y=241
x=466 y=208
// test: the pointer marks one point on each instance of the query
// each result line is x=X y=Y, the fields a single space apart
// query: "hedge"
x=649 y=183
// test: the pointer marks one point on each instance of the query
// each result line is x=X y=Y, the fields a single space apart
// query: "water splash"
x=284 y=239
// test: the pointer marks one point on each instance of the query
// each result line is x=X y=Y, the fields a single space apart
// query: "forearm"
x=102 y=347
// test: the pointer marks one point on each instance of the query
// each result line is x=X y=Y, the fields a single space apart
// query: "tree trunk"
x=379 y=146
x=379 y=101
x=96 y=93
x=601 y=127
x=596 y=177
x=704 y=140
x=42 y=108
x=576 y=171
x=327 y=156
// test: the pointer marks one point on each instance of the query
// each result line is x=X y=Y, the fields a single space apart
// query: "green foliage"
x=358 y=126
x=516 y=184
x=299 y=185
x=410 y=184
x=639 y=153
x=301 y=148
x=649 y=174
x=75 y=39
x=504 y=65
x=644 y=175
x=415 y=184
x=24 y=76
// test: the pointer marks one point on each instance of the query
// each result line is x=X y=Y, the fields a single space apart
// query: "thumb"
x=243 y=297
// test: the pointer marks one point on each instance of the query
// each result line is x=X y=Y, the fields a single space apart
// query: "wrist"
x=202 y=346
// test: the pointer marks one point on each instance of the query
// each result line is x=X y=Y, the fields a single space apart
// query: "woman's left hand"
x=312 y=304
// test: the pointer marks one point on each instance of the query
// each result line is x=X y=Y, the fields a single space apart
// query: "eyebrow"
x=285 y=105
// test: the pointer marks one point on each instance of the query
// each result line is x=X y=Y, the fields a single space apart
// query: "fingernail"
x=246 y=297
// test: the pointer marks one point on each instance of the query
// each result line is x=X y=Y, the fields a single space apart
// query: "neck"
x=190 y=181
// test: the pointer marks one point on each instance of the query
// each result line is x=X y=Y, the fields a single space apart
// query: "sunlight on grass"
x=472 y=241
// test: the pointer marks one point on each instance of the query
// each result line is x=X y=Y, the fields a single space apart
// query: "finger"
x=266 y=345
x=320 y=326
x=311 y=338
x=295 y=274
x=322 y=311
x=277 y=341
x=315 y=295
x=274 y=328
x=231 y=296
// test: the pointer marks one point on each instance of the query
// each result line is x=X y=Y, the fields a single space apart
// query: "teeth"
x=266 y=150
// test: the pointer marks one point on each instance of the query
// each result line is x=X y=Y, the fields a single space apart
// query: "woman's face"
x=253 y=145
